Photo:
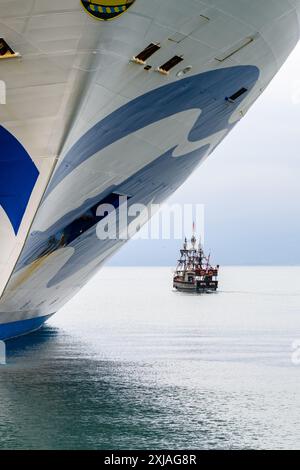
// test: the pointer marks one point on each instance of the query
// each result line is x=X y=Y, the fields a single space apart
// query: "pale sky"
x=250 y=187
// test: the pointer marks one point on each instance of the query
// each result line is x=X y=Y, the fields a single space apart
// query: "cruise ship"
x=110 y=98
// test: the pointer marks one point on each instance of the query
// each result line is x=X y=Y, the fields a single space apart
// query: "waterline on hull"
x=19 y=328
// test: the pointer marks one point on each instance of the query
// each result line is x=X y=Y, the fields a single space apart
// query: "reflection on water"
x=36 y=341
x=160 y=371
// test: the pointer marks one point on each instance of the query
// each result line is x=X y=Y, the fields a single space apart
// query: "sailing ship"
x=194 y=272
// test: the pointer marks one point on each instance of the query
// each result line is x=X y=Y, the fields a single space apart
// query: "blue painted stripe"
x=22 y=327
x=18 y=175
x=206 y=91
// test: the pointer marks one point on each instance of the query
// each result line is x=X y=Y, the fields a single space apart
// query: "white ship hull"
x=83 y=123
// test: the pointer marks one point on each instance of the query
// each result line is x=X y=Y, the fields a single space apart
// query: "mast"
x=193 y=239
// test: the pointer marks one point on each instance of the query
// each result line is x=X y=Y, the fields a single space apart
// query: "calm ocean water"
x=129 y=364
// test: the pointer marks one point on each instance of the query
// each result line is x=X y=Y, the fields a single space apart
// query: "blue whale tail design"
x=18 y=175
